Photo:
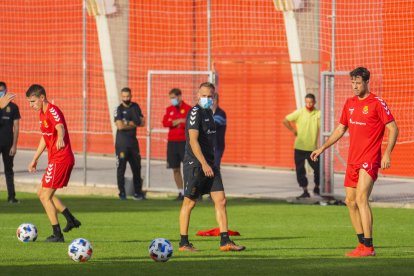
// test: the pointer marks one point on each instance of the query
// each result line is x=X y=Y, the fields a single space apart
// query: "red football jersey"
x=366 y=120
x=48 y=121
x=176 y=134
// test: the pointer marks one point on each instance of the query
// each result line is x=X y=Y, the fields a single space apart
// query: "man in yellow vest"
x=307 y=121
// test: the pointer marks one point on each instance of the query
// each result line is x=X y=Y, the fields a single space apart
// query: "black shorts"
x=196 y=183
x=175 y=154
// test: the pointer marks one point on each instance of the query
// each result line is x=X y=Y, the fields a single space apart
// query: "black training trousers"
x=129 y=155
x=8 y=170
x=300 y=157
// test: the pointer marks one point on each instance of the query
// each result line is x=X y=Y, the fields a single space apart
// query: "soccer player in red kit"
x=55 y=138
x=366 y=116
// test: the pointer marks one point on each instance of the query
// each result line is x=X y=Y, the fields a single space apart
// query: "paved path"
x=238 y=181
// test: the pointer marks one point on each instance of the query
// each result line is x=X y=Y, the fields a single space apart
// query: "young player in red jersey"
x=55 y=138
x=366 y=116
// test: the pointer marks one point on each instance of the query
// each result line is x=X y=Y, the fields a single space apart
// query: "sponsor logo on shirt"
x=210 y=131
x=357 y=123
x=365 y=110
x=54 y=114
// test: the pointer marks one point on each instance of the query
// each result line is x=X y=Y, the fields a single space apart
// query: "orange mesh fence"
x=42 y=43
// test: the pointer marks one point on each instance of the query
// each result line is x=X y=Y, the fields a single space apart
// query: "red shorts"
x=352 y=173
x=57 y=175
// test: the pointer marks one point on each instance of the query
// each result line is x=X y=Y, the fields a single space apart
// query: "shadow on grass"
x=31 y=204
x=210 y=238
x=230 y=264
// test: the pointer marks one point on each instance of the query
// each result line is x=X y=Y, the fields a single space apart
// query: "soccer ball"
x=160 y=250
x=80 y=250
x=26 y=232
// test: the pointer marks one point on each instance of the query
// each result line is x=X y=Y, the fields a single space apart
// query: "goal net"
x=160 y=82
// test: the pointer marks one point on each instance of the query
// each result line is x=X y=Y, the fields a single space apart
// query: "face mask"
x=2 y=94
x=205 y=102
x=174 y=102
x=127 y=102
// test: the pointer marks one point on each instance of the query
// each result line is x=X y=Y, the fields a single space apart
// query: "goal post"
x=335 y=89
x=159 y=83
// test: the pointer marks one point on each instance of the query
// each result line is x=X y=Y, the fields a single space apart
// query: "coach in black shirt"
x=200 y=174
x=128 y=116
x=9 y=130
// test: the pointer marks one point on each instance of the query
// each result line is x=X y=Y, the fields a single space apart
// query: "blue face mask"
x=174 y=102
x=205 y=102
x=2 y=93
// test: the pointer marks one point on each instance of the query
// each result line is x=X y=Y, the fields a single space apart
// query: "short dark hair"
x=126 y=89
x=175 y=91
x=310 y=96
x=216 y=98
x=3 y=84
x=35 y=90
x=208 y=85
x=360 y=72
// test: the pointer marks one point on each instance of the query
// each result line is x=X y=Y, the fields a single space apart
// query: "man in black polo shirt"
x=128 y=116
x=9 y=129
x=200 y=174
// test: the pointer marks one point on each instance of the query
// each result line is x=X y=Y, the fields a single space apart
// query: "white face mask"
x=205 y=102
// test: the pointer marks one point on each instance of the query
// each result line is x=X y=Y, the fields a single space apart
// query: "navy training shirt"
x=220 y=119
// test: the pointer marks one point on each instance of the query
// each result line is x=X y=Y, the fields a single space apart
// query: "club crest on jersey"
x=365 y=110
x=8 y=109
x=45 y=124
x=351 y=110
x=182 y=111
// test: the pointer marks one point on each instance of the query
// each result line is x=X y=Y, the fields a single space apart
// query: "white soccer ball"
x=26 y=232
x=80 y=250
x=160 y=250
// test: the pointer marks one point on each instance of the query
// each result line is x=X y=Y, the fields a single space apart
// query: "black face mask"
x=127 y=102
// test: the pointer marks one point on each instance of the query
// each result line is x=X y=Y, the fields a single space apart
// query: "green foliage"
x=281 y=239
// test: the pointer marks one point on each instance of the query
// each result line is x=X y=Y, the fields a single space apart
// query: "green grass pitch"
x=281 y=239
